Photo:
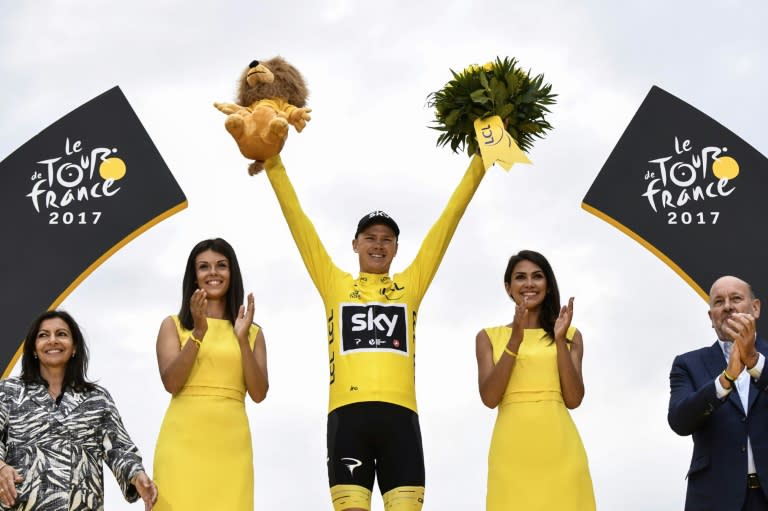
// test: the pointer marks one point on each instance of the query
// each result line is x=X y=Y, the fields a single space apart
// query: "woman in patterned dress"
x=56 y=428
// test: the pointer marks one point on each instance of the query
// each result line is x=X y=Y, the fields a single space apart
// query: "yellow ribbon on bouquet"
x=496 y=145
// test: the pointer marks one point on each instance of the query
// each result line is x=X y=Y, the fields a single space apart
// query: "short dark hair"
x=235 y=293
x=550 y=307
x=75 y=375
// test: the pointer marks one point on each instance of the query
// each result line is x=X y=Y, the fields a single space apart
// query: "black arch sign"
x=690 y=191
x=70 y=198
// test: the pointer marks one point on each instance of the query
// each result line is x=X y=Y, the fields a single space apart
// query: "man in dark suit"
x=719 y=394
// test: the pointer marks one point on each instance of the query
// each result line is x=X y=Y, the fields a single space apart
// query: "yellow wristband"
x=196 y=341
x=510 y=352
x=728 y=376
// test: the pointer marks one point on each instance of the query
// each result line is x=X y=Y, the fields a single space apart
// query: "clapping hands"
x=563 y=321
x=198 y=306
x=740 y=327
x=244 y=320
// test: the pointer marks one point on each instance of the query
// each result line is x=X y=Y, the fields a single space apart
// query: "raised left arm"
x=569 y=367
x=569 y=360
x=254 y=359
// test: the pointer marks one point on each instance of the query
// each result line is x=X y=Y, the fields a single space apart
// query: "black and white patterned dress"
x=58 y=448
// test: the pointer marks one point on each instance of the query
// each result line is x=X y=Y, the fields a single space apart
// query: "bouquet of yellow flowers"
x=498 y=88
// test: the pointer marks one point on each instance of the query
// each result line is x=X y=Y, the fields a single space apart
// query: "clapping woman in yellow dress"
x=531 y=370
x=209 y=355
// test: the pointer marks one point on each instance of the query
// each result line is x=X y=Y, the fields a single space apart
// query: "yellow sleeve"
x=313 y=253
x=423 y=268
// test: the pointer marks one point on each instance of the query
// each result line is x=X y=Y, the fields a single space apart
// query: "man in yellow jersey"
x=373 y=426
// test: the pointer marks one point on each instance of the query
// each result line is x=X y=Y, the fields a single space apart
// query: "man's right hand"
x=735 y=367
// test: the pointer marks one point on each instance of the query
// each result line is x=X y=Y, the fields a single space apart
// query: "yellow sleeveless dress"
x=536 y=460
x=203 y=456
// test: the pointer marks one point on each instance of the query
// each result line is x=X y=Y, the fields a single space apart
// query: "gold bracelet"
x=728 y=376
x=196 y=341
x=510 y=352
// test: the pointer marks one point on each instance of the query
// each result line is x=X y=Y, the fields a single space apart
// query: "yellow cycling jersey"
x=372 y=318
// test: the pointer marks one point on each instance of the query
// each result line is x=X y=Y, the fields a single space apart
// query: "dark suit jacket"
x=717 y=475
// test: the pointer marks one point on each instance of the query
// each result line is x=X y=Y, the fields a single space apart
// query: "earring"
x=34 y=355
x=74 y=354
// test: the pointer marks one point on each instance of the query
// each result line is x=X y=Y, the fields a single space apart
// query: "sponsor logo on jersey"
x=374 y=327
x=331 y=338
x=393 y=292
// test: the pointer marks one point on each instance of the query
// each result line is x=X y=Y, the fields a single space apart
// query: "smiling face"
x=728 y=296
x=54 y=345
x=376 y=247
x=212 y=273
x=529 y=282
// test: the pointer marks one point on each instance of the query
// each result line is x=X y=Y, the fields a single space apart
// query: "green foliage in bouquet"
x=496 y=88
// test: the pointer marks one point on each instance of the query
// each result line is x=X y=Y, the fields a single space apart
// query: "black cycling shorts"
x=375 y=438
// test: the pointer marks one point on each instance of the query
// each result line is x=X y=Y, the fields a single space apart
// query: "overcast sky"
x=370 y=66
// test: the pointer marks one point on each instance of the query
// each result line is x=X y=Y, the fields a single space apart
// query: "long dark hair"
x=77 y=367
x=235 y=293
x=550 y=307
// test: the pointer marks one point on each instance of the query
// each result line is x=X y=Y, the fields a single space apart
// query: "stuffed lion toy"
x=271 y=95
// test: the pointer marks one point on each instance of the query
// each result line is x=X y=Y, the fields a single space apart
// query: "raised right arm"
x=313 y=253
x=174 y=361
x=492 y=379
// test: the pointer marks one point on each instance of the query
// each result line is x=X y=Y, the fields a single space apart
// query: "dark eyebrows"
x=218 y=261
x=535 y=273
